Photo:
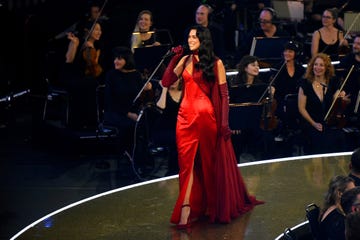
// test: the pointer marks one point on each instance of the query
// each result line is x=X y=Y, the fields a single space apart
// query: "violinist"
x=248 y=88
x=328 y=39
x=286 y=82
x=88 y=53
x=315 y=96
x=122 y=84
x=82 y=75
x=352 y=86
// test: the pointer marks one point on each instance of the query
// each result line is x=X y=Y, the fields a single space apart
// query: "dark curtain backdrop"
x=29 y=53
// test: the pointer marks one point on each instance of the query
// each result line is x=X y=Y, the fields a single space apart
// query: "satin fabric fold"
x=218 y=190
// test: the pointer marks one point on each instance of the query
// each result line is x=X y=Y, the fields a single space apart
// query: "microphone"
x=140 y=115
x=323 y=85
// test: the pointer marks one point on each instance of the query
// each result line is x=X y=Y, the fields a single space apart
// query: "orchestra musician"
x=328 y=39
x=122 y=84
x=315 y=96
x=287 y=82
x=352 y=86
x=165 y=125
x=268 y=27
x=142 y=35
x=248 y=87
x=82 y=74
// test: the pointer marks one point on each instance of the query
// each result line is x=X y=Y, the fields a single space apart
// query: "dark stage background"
x=29 y=54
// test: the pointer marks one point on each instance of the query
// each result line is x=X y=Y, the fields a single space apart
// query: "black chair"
x=56 y=105
x=312 y=215
x=299 y=232
x=292 y=123
x=289 y=234
x=292 y=115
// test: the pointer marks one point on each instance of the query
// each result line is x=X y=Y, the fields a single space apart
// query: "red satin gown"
x=218 y=190
x=196 y=140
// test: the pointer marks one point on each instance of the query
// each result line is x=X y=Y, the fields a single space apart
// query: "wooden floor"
x=142 y=211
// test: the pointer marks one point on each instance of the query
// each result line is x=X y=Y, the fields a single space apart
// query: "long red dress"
x=218 y=190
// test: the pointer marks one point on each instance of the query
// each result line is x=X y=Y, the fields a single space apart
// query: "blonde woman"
x=142 y=35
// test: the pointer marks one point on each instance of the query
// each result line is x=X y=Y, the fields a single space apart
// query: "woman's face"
x=319 y=67
x=252 y=69
x=289 y=55
x=144 y=22
x=119 y=63
x=96 y=33
x=327 y=19
x=193 y=40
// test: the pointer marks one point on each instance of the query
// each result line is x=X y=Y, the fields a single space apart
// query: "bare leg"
x=185 y=210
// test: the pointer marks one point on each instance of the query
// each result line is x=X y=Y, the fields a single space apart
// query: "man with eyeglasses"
x=268 y=27
x=350 y=200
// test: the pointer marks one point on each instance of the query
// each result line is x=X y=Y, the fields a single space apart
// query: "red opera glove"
x=169 y=76
x=225 y=131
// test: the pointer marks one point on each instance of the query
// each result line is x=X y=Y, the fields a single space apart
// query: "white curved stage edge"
x=286 y=184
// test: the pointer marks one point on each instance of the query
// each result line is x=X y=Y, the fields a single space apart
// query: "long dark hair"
x=206 y=52
x=337 y=184
x=242 y=75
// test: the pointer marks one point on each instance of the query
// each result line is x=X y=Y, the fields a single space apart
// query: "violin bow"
x=356 y=108
x=352 y=25
x=337 y=94
x=271 y=82
x=347 y=32
x=95 y=21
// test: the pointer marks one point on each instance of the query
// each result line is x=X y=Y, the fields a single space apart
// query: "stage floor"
x=142 y=211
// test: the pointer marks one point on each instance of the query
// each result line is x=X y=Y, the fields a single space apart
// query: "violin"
x=268 y=119
x=93 y=68
x=337 y=116
x=336 y=113
x=90 y=54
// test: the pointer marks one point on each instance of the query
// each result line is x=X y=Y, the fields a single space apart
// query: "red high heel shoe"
x=187 y=224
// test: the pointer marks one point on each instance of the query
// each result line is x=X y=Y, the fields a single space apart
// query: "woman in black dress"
x=316 y=94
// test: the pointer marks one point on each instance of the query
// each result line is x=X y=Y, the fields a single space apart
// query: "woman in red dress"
x=210 y=183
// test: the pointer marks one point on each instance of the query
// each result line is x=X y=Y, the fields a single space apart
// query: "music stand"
x=149 y=57
x=246 y=93
x=245 y=110
x=244 y=115
x=268 y=48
